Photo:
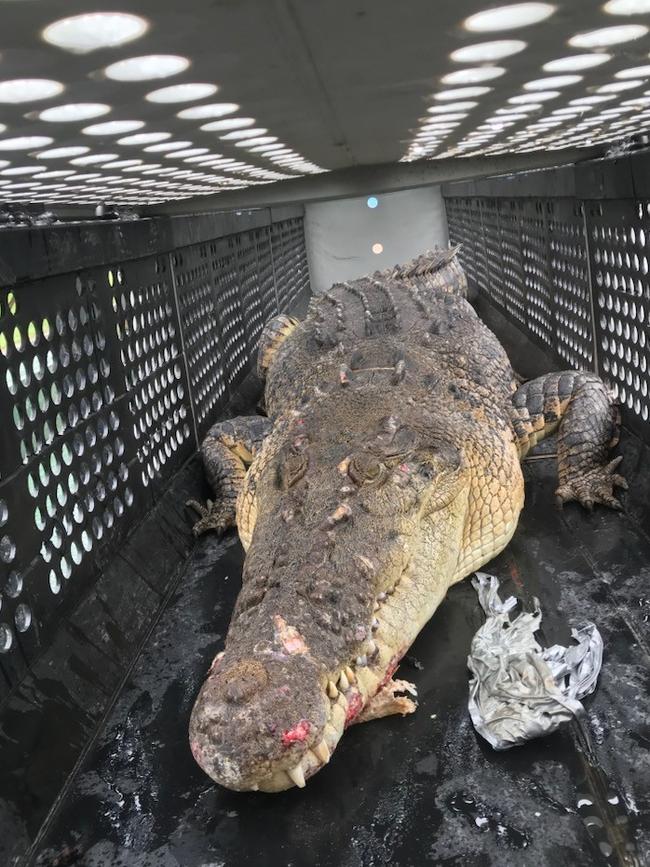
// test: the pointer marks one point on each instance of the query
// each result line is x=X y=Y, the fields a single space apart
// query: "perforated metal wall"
x=569 y=271
x=110 y=375
x=530 y=259
x=619 y=246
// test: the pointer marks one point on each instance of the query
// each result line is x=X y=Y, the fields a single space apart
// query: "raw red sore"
x=355 y=705
x=297 y=734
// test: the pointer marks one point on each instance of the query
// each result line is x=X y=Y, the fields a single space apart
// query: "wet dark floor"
x=419 y=790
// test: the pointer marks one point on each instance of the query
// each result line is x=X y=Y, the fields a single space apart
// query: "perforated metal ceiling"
x=266 y=90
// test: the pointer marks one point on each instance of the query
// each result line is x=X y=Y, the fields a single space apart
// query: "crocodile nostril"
x=243 y=680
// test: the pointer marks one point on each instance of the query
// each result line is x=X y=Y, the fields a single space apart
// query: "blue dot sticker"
x=372 y=202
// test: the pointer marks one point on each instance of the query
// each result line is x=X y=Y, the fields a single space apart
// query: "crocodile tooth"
x=297 y=776
x=372 y=649
x=349 y=674
x=322 y=751
x=332 y=691
x=343 y=681
x=377 y=606
x=381 y=596
x=362 y=660
x=375 y=624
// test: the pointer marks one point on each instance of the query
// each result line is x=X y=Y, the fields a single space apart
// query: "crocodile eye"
x=365 y=468
x=292 y=468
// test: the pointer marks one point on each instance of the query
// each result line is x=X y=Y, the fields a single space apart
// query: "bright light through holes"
x=451 y=107
x=237 y=134
x=576 y=62
x=627 y=7
x=461 y=93
x=508 y=17
x=74 y=111
x=372 y=202
x=146 y=68
x=168 y=146
x=488 y=52
x=19 y=90
x=377 y=248
x=92 y=159
x=634 y=72
x=182 y=93
x=608 y=36
x=551 y=82
x=25 y=143
x=84 y=33
x=113 y=127
x=228 y=123
x=216 y=109
x=473 y=75
x=61 y=153
x=142 y=138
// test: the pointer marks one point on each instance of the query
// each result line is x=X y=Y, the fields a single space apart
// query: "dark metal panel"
x=376 y=178
x=604 y=179
x=227 y=300
x=247 y=264
x=619 y=242
x=466 y=237
x=98 y=404
x=204 y=355
x=493 y=254
x=65 y=473
x=39 y=252
x=476 y=220
x=155 y=387
x=572 y=275
x=290 y=261
x=513 y=277
x=569 y=272
x=556 y=181
x=206 y=226
x=266 y=279
x=528 y=256
x=535 y=259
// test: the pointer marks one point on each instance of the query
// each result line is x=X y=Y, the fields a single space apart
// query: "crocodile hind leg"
x=227 y=451
x=578 y=406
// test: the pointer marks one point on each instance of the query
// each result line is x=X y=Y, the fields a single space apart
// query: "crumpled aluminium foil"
x=519 y=690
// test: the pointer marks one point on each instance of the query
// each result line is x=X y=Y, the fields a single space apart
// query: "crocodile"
x=387 y=468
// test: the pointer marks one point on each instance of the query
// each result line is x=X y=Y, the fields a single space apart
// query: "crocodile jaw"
x=350 y=690
x=356 y=692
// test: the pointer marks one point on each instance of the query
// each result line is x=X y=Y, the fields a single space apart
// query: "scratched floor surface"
x=411 y=791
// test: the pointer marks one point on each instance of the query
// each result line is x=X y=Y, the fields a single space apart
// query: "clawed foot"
x=596 y=486
x=213 y=517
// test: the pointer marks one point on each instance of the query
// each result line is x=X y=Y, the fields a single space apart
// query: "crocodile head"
x=360 y=517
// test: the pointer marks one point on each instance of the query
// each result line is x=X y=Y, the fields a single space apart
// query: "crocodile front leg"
x=227 y=450
x=578 y=406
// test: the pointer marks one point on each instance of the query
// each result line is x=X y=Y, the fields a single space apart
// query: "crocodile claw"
x=596 y=486
x=213 y=517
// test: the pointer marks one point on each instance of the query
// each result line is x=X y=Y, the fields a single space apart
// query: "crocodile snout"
x=256 y=719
